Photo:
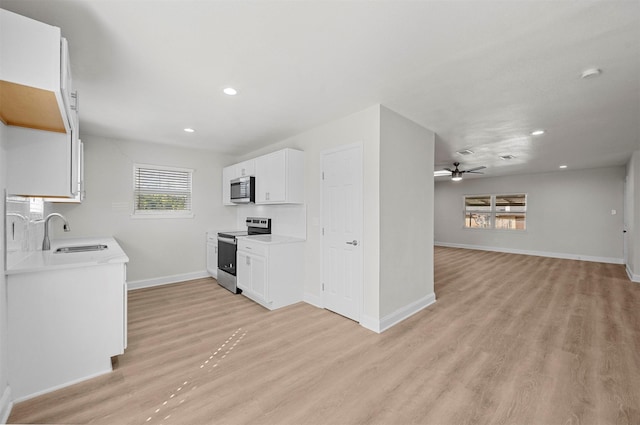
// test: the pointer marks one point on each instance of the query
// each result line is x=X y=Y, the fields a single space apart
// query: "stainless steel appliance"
x=228 y=247
x=243 y=190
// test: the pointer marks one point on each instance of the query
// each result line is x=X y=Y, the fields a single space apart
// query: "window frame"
x=177 y=214
x=493 y=212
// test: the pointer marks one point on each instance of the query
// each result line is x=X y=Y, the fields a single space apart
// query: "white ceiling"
x=481 y=74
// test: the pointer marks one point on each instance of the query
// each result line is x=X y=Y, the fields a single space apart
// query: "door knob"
x=353 y=242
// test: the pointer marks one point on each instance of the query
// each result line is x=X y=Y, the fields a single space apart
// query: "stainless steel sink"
x=79 y=248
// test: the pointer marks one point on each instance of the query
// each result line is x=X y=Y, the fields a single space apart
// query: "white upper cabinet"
x=40 y=108
x=39 y=163
x=34 y=66
x=280 y=177
x=246 y=168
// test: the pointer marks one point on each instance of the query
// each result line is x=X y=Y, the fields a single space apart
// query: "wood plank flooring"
x=512 y=339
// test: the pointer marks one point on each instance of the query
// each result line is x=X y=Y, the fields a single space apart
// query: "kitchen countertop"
x=272 y=239
x=39 y=261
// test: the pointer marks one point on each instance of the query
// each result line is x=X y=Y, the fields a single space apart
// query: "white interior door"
x=342 y=231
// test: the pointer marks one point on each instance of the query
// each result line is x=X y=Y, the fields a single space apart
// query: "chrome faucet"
x=46 y=244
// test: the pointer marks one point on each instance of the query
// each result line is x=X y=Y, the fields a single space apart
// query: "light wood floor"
x=511 y=339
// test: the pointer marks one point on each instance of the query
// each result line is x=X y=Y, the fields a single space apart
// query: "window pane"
x=474 y=220
x=477 y=203
x=162 y=189
x=513 y=221
x=511 y=203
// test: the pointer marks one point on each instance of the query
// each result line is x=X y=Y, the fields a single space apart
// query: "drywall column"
x=406 y=217
x=632 y=216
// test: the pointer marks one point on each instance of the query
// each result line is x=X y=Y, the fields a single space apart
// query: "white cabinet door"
x=259 y=285
x=212 y=257
x=243 y=272
x=271 y=178
x=280 y=177
x=252 y=276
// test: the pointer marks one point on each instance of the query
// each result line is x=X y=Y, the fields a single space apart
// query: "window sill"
x=162 y=216
x=477 y=229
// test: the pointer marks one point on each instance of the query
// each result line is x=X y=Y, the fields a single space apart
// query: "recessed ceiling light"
x=537 y=132
x=563 y=166
x=189 y=130
x=591 y=72
x=230 y=91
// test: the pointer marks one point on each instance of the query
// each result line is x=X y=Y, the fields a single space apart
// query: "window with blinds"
x=162 y=191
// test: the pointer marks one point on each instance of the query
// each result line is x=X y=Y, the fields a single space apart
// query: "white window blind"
x=162 y=190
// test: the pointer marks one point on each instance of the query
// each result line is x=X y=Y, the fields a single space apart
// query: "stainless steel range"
x=228 y=247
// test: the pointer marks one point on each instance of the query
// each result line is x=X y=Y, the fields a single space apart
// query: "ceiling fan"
x=456 y=174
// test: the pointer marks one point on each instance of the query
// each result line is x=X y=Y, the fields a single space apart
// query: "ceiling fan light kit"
x=456 y=174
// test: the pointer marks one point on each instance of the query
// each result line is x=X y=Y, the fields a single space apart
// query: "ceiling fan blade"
x=448 y=169
x=471 y=170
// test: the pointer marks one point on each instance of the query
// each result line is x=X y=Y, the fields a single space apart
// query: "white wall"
x=4 y=388
x=632 y=216
x=158 y=249
x=568 y=214
x=362 y=127
x=406 y=212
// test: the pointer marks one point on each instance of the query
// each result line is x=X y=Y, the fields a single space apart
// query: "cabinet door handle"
x=74 y=96
x=353 y=242
x=248 y=261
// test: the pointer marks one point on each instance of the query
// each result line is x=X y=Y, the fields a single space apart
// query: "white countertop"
x=272 y=239
x=38 y=261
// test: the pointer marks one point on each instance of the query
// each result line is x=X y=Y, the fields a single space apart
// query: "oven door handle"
x=232 y=241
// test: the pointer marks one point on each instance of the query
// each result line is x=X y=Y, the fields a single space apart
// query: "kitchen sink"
x=80 y=248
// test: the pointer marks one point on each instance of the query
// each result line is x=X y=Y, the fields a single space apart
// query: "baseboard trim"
x=313 y=299
x=609 y=260
x=5 y=405
x=397 y=316
x=66 y=384
x=165 y=280
x=632 y=277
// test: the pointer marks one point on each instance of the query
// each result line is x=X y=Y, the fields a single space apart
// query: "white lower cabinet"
x=64 y=325
x=271 y=274
x=252 y=276
x=212 y=253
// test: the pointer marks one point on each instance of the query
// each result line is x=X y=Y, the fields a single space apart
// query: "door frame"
x=360 y=290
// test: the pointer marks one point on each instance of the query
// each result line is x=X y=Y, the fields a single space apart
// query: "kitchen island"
x=66 y=315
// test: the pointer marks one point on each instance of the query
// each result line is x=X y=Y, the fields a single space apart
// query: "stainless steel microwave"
x=243 y=190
